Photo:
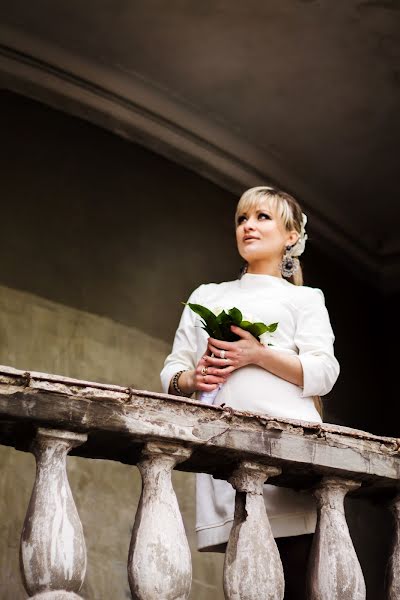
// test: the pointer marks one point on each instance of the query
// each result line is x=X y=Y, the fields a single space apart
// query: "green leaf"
x=236 y=316
x=225 y=322
x=219 y=327
x=210 y=321
x=257 y=329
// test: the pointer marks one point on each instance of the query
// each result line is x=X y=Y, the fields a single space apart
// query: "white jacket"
x=304 y=329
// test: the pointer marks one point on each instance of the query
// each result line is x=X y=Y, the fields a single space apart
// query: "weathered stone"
x=53 y=551
x=253 y=568
x=121 y=419
x=306 y=450
x=393 y=567
x=159 y=564
x=334 y=570
x=56 y=596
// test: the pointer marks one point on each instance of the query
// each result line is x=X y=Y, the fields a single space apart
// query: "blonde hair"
x=288 y=210
x=284 y=206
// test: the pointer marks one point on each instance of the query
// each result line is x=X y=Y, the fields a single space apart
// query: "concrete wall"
x=39 y=334
x=101 y=241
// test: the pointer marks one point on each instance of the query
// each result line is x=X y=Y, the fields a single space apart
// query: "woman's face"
x=261 y=236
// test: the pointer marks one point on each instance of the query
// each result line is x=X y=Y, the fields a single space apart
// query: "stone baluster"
x=53 y=551
x=253 y=568
x=159 y=565
x=393 y=567
x=334 y=570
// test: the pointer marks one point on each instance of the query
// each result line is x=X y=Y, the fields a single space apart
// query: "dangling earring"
x=243 y=270
x=289 y=264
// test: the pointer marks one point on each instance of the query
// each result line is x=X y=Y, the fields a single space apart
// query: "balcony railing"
x=49 y=415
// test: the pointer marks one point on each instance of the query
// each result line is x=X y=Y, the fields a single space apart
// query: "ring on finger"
x=204 y=371
x=222 y=354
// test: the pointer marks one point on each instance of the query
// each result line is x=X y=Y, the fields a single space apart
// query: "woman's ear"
x=292 y=238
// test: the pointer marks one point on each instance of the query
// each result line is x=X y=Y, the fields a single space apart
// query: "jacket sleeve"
x=314 y=339
x=184 y=349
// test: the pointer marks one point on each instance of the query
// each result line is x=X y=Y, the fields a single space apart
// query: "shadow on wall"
x=106 y=226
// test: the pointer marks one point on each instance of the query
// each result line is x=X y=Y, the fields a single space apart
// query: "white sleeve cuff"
x=319 y=374
x=184 y=349
x=169 y=371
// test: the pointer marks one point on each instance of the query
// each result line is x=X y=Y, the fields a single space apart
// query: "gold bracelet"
x=174 y=382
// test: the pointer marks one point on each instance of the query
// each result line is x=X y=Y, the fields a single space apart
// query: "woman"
x=283 y=376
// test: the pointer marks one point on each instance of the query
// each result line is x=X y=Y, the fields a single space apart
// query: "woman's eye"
x=263 y=216
x=241 y=219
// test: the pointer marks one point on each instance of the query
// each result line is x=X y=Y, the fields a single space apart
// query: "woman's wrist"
x=182 y=383
x=261 y=356
x=187 y=383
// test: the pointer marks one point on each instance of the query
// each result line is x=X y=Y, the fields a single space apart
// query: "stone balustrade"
x=50 y=416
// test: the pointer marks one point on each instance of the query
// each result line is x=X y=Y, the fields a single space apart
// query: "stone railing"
x=49 y=415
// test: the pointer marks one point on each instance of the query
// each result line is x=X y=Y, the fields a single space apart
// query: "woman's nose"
x=249 y=223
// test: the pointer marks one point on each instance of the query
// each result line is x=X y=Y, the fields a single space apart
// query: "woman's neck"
x=264 y=268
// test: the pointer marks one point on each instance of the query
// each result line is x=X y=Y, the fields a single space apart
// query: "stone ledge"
x=119 y=420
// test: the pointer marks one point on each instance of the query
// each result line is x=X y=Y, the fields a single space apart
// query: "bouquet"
x=218 y=326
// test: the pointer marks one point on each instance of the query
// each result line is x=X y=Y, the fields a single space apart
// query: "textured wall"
x=39 y=334
x=101 y=242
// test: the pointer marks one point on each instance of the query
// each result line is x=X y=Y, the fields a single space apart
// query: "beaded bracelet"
x=174 y=382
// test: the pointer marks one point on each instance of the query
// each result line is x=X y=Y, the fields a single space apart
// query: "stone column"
x=393 y=568
x=253 y=568
x=159 y=565
x=334 y=570
x=53 y=551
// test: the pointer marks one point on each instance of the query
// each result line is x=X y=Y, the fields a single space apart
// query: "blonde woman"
x=283 y=376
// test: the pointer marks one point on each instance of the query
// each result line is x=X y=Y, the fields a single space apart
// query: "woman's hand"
x=208 y=375
x=234 y=355
x=248 y=351
x=211 y=371
x=205 y=377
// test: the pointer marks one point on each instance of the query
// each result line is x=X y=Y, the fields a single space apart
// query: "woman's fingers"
x=214 y=376
x=242 y=333
x=217 y=362
x=239 y=354
x=209 y=382
x=215 y=370
x=205 y=387
x=220 y=345
x=230 y=355
x=211 y=372
x=211 y=376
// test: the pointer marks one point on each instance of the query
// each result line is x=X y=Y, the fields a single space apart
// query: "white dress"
x=304 y=330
